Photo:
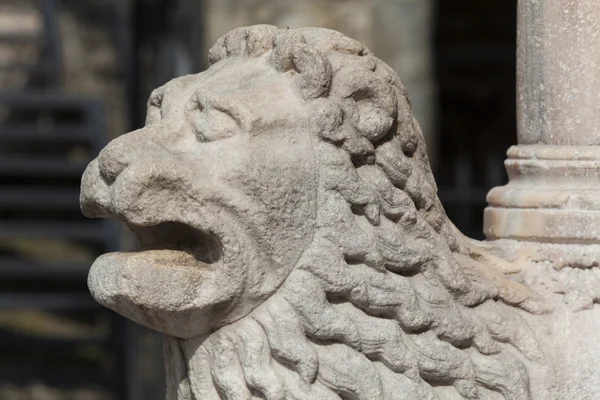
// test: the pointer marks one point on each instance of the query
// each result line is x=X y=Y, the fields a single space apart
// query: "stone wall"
x=19 y=19
x=92 y=66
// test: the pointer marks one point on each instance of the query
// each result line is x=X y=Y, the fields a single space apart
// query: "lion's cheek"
x=159 y=294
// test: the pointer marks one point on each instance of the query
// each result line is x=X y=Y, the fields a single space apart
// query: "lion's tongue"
x=155 y=278
x=153 y=288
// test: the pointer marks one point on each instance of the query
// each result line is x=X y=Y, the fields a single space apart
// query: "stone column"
x=553 y=196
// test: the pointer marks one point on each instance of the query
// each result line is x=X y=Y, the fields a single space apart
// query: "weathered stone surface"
x=552 y=202
x=553 y=196
x=558 y=82
x=292 y=244
x=548 y=216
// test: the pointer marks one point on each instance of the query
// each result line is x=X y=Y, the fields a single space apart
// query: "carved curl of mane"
x=390 y=300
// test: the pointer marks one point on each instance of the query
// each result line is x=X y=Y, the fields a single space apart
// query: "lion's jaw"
x=182 y=280
x=221 y=222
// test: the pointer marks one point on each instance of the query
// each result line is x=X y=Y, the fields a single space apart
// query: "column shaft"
x=558 y=72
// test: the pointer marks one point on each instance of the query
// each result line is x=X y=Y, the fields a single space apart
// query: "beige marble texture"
x=292 y=244
x=558 y=64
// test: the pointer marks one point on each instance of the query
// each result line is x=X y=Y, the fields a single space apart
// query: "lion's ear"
x=369 y=99
x=291 y=53
x=250 y=40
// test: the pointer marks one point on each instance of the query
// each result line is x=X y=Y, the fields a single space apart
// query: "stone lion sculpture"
x=291 y=242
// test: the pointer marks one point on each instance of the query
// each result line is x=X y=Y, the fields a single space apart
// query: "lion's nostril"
x=117 y=155
x=112 y=161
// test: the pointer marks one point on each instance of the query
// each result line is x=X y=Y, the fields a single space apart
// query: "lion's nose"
x=117 y=155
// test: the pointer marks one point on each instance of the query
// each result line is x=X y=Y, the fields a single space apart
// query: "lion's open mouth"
x=178 y=240
x=167 y=283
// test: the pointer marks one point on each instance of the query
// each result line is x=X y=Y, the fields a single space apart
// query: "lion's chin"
x=164 y=284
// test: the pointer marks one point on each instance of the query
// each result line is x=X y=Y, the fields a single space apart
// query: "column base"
x=559 y=256
x=553 y=196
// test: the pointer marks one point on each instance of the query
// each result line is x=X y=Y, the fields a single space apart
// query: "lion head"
x=291 y=241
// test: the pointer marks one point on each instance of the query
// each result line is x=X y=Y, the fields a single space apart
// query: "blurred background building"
x=74 y=74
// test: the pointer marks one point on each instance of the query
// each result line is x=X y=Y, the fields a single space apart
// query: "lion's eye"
x=215 y=124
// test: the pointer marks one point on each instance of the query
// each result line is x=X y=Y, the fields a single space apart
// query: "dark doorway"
x=475 y=44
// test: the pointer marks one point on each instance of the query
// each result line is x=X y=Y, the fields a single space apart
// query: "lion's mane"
x=389 y=300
